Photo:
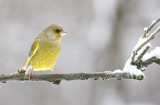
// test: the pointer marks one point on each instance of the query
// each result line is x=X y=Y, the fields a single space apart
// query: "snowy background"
x=102 y=34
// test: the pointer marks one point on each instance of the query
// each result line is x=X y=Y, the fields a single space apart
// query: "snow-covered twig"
x=140 y=58
x=144 y=42
x=153 y=56
x=147 y=29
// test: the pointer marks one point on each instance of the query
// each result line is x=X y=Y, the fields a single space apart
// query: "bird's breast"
x=49 y=48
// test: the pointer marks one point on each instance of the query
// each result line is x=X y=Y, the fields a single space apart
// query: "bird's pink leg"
x=54 y=72
x=30 y=74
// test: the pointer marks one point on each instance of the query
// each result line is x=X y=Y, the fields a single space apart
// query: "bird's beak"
x=62 y=33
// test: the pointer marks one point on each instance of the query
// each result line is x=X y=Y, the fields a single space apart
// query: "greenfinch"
x=45 y=49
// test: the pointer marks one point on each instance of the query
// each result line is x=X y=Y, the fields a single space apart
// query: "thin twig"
x=150 y=61
x=143 y=53
x=149 y=39
x=150 y=27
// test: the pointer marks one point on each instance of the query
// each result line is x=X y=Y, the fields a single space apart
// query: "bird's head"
x=54 y=32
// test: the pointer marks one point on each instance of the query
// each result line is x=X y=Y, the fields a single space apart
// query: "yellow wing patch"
x=32 y=52
x=33 y=48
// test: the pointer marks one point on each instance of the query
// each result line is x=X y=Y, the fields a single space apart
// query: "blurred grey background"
x=102 y=34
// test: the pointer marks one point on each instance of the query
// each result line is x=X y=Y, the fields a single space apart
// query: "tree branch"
x=133 y=68
x=56 y=78
x=150 y=61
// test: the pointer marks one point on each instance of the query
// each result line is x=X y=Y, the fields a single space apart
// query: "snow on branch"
x=140 y=59
x=133 y=68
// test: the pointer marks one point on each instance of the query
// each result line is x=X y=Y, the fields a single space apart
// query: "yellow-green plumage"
x=46 y=55
x=45 y=49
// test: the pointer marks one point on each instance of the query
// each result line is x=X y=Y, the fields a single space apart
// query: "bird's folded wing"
x=33 y=51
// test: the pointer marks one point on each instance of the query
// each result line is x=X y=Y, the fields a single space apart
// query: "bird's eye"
x=58 y=31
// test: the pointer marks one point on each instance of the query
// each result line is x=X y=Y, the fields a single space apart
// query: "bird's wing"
x=32 y=52
x=34 y=48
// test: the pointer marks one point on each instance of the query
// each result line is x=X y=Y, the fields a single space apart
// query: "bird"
x=45 y=49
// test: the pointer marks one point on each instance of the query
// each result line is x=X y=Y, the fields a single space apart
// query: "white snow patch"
x=153 y=21
x=145 y=28
x=131 y=69
x=154 y=53
x=118 y=71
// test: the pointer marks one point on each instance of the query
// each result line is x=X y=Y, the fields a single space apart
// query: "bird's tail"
x=24 y=67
